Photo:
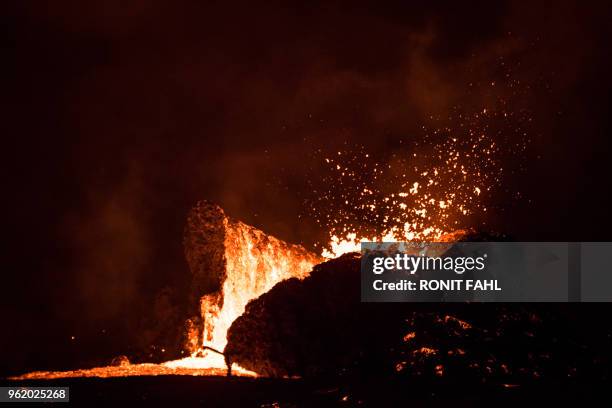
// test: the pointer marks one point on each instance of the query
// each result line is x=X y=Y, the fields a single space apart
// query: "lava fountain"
x=231 y=263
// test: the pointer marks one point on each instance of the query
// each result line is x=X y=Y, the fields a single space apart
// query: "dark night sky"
x=118 y=116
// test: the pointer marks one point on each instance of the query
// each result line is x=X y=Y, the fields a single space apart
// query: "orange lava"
x=127 y=370
x=254 y=263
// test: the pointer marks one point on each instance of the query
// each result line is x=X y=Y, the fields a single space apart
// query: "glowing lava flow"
x=235 y=263
x=231 y=263
x=250 y=263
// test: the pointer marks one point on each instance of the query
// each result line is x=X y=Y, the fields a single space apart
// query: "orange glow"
x=351 y=243
x=255 y=262
x=126 y=370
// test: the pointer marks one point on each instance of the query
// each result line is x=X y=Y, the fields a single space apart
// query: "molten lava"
x=340 y=246
x=231 y=263
x=247 y=263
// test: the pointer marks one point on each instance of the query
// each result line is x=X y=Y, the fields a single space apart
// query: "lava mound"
x=302 y=326
x=318 y=327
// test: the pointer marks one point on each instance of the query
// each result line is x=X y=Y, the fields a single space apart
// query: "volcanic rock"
x=319 y=327
x=307 y=327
